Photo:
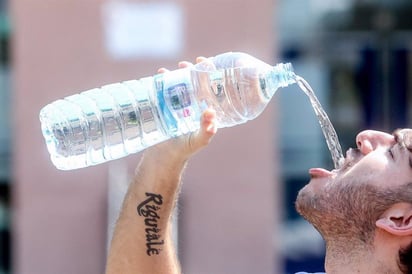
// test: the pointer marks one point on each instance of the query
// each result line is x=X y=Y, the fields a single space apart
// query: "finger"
x=200 y=59
x=207 y=129
x=208 y=122
x=184 y=64
x=162 y=70
x=206 y=63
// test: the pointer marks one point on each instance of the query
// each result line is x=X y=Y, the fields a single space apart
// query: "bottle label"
x=179 y=96
x=168 y=118
x=178 y=105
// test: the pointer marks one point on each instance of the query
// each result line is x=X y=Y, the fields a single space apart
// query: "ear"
x=397 y=220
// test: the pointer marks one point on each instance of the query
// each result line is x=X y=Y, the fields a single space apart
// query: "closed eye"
x=390 y=152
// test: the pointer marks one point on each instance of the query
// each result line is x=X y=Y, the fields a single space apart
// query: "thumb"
x=207 y=130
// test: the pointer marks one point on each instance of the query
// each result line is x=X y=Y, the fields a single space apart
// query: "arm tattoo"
x=148 y=209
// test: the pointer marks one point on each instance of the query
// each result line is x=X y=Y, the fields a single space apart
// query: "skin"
x=128 y=252
x=365 y=244
x=362 y=210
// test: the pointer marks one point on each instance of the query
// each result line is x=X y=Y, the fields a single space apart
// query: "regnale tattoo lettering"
x=149 y=209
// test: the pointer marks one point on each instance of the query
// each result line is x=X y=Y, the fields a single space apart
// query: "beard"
x=348 y=210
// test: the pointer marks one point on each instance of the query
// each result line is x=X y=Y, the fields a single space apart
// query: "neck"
x=349 y=257
x=340 y=260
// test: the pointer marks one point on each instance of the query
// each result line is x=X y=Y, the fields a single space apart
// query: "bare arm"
x=141 y=241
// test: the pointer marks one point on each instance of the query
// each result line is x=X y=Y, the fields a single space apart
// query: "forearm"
x=141 y=243
x=142 y=240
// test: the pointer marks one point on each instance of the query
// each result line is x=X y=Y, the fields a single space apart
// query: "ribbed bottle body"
x=116 y=120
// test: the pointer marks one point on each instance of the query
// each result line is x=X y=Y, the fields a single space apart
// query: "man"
x=363 y=210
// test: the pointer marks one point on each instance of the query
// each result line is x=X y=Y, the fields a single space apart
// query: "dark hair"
x=405 y=259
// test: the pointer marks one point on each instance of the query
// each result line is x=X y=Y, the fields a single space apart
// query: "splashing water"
x=325 y=124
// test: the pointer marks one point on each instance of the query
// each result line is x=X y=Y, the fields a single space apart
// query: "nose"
x=368 y=140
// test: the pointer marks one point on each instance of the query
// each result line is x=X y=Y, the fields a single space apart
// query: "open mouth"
x=352 y=157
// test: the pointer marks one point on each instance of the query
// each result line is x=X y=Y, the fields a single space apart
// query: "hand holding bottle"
x=185 y=146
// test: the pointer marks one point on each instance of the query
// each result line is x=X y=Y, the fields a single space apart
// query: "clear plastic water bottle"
x=116 y=120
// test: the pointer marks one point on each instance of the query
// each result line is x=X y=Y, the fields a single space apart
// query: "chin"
x=304 y=201
x=310 y=195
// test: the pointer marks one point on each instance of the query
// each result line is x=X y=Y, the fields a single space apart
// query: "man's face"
x=347 y=202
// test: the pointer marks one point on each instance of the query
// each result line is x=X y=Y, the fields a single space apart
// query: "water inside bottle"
x=328 y=130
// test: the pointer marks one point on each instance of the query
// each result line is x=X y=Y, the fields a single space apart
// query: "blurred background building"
x=237 y=217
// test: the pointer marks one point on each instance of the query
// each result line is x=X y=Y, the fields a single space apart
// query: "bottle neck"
x=281 y=75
